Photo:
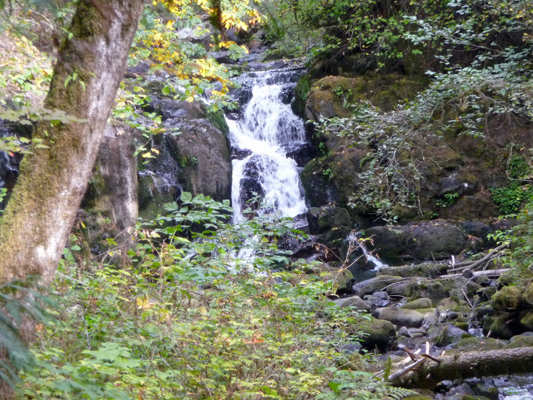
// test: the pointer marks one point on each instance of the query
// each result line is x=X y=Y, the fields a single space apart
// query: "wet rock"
x=239 y=154
x=319 y=189
x=222 y=57
x=401 y=317
x=302 y=155
x=354 y=302
x=375 y=284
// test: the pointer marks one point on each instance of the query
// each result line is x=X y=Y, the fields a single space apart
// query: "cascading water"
x=263 y=136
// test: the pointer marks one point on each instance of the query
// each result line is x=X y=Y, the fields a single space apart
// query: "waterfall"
x=353 y=239
x=264 y=177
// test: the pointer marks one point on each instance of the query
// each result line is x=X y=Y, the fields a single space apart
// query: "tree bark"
x=465 y=365
x=52 y=181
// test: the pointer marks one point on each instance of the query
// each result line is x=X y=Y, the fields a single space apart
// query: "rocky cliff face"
x=451 y=176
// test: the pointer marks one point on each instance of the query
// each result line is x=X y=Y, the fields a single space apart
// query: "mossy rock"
x=519 y=341
x=331 y=96
x=418 y=304
x=509 y=298
x=427 y=288
x=458 y=305
x=502 y=326
x=376 y=333
x=528 y=293
x=526 y=320
x=471 y=344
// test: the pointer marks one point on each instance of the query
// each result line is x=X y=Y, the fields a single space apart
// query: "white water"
x=269 y=130
x=353 y=238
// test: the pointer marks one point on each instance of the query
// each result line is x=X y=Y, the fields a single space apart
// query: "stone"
x=323 y=219
x=501 y=326
x=430 y=319
x=418 y=303
x=377 y=333
x=477 y=344
x=508 y=298
x=421 y=241
x=427 y=288
x=354 y=302
x=519 y=341
x=450 y=334
x=401 y=317
x=375 y=284
x=199 y=150
x=526 y=320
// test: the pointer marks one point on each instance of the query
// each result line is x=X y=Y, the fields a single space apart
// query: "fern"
x=18 y=300
x=397 y=393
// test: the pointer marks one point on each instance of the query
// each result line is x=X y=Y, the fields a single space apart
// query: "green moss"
x=508 y=298
x=218 y=120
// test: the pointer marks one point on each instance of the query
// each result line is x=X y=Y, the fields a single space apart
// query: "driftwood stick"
x=467 y=299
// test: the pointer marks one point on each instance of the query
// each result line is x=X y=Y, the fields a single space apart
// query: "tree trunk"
x=52 y=181
x=465 y=365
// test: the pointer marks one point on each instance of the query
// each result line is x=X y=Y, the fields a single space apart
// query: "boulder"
x=202 y=152
x=400 y=317
x=418 y=304
x=449 y=334
x=376 y=284
x=354 y=302
x=428 y=288
x=423 y=241
x=323 y=219
x=374 y=334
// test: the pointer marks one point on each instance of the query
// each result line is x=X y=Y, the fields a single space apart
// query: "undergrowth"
x=201 y=312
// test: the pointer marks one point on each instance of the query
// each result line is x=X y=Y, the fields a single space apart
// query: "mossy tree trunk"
x=53 y=180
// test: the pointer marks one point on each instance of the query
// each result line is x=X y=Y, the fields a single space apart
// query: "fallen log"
x=465 y=365
x=491 y=273
x=472 y=265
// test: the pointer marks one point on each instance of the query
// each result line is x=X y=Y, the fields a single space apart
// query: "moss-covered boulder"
x=418 y=304
x=375 y=334
x=508 y=298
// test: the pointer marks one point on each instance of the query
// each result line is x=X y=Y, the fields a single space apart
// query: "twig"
x=405 y=370
x=467 y=299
